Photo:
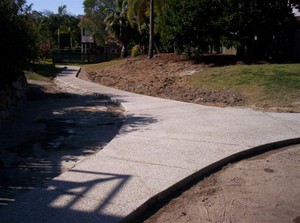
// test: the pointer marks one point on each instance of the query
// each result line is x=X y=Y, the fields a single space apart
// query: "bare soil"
x=261 y=189
x=165 y=76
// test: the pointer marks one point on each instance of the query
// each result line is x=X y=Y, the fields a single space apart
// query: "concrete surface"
x=162 y=145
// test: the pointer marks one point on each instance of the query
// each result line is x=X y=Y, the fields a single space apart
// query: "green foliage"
x=117 y=25
x=260 y=29
x=192 y=26
x=59 y=30
x=136 y=51
x=17 y=39
x=30 y=35
x=140 y=16
x=137 y=12
x=94 y=17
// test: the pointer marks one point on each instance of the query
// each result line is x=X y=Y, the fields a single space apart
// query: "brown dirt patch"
x=260 y=189
x=165 y=76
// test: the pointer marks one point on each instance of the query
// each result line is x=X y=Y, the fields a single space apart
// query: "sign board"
x=87 y=39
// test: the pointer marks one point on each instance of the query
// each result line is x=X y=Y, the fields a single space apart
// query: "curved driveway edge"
x=162 y=145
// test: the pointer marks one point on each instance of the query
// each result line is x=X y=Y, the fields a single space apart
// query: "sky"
x=74 y=7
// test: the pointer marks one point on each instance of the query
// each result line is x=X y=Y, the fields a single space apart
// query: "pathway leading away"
x=162 y=145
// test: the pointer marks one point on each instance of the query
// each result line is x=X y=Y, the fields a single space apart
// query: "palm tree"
x=137 y=11
x=118 y=25
x=151 y=30
x=94 y=17
x=62 y=10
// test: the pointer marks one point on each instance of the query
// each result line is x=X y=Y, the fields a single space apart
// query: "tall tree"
x=137 y=12
x=259 y=29
x=118 y=25
x=62 y=10
x=142 y=13
x=17 y=41
x=60 y=29
x=151 y=30
x=191 y=27
x=95 y=14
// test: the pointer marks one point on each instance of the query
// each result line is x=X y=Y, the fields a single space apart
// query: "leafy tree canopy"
x=259 y=29
x=17 y=39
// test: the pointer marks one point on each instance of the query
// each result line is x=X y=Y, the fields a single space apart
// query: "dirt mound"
x=165 y=76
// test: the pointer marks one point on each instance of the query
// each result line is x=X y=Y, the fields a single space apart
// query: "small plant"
x=136 y=51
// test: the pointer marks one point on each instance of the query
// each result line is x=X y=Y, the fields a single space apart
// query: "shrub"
x=136 y=51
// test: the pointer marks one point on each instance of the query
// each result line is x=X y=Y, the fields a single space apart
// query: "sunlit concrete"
x=162 y=144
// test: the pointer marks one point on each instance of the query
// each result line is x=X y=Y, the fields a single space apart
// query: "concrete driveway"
x=162 y=145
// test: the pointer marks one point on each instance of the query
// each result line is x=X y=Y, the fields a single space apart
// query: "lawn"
x=43 y=71
x=264 y=86
x=95 y=67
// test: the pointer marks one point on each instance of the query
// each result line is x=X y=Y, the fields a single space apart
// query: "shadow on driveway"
x=50 y=134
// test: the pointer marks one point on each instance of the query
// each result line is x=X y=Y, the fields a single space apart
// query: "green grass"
x=95 y=67
x=264 y=86
x=43 y=71
x=46 y=70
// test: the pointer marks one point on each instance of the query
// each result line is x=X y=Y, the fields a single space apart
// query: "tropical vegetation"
x=259 y=30
x=28 y=36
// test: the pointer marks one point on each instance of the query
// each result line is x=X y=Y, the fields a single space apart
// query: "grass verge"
x=264 y=86
x=43 y=71
x=95 y=67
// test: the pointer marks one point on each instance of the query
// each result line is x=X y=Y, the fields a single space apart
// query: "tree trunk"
x=124 y=51
x=151 y=30
x=148 y=29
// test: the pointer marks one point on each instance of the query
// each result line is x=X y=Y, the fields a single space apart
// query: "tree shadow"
x=217 y=60
x=46 y=69
x=70 y=201
x=116 y=183
x=52 y=133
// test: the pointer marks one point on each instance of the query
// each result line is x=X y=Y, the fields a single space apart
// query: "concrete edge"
x=104 y=96
x=193 y=178
x=78 y=72
x=251 y=152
